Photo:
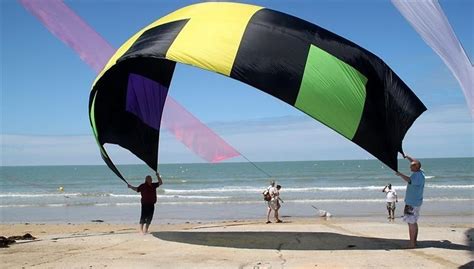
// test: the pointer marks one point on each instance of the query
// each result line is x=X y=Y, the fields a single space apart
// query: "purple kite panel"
x=146 y=99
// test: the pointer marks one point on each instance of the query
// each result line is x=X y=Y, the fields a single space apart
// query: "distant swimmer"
x=148 y=193
x=60 y=189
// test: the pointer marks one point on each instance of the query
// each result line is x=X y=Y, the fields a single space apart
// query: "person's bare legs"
x=146 y=228
x=268 y=214
x=141 y=228
x=276 y=215
x=413 y=232
x=393 y=213
x=416 y=233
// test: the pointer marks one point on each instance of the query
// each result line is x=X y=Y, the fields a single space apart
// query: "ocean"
x=228 y=191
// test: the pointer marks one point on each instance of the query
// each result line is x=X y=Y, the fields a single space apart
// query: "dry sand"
x=296 y=243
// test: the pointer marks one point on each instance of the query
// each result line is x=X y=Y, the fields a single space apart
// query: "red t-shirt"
x=148 y=193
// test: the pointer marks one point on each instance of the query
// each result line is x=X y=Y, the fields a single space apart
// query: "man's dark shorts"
x=391 y=205
x=147 y=213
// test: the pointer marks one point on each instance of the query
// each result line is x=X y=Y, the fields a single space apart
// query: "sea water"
x=228 y=190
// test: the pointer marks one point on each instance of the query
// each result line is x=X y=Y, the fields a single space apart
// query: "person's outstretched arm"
x=410 y=159
x=404 y=177
x=131 y=187
x=160 y=181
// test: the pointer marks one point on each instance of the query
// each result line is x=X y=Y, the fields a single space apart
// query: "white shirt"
x=391 y=195
x=275 y=193
x=271 y=190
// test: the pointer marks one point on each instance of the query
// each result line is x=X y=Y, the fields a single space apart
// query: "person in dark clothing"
x=148 y=193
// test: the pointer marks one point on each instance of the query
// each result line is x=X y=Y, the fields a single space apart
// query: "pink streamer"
x=204 y=141
x=60 y=20
x=63 y=23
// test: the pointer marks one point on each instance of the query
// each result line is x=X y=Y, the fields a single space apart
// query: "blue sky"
x=45 y=87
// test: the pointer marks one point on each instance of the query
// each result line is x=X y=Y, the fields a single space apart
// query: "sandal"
x=268 y=222
x=279 y=221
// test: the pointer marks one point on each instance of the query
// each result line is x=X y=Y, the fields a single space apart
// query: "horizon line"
x=232 y=162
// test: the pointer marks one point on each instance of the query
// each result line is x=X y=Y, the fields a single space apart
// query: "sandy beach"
x=319 y=103
x=296 y=243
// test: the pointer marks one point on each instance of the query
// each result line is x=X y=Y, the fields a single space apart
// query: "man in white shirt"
x=268 y=197
x=391 y=199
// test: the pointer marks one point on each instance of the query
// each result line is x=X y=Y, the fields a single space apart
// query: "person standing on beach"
x=413 y=198
x=148 y=193
x=391 y=199
x=267 y=194
x=274 y=203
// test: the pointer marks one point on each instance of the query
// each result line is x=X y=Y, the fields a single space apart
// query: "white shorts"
x=273 y=204
x=411 y=214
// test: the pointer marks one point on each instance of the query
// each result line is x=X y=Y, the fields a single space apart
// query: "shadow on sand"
x=469 y=238
x=296 y=241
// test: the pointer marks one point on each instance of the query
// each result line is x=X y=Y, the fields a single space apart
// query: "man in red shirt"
x=148 y=193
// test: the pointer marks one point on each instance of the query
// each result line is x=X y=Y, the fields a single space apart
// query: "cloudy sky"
x=45 y=87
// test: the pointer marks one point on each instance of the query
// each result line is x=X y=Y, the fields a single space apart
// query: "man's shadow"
x=297 y=241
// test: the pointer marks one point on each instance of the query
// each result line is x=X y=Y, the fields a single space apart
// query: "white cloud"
x=443 y=132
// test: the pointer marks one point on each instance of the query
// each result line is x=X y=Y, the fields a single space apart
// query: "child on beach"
x=391 y=199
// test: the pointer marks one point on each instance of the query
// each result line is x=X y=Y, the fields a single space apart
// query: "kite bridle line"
x=107 y=160
x=256 y=166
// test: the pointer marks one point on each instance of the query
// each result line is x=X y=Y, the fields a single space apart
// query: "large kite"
x=329 y=78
